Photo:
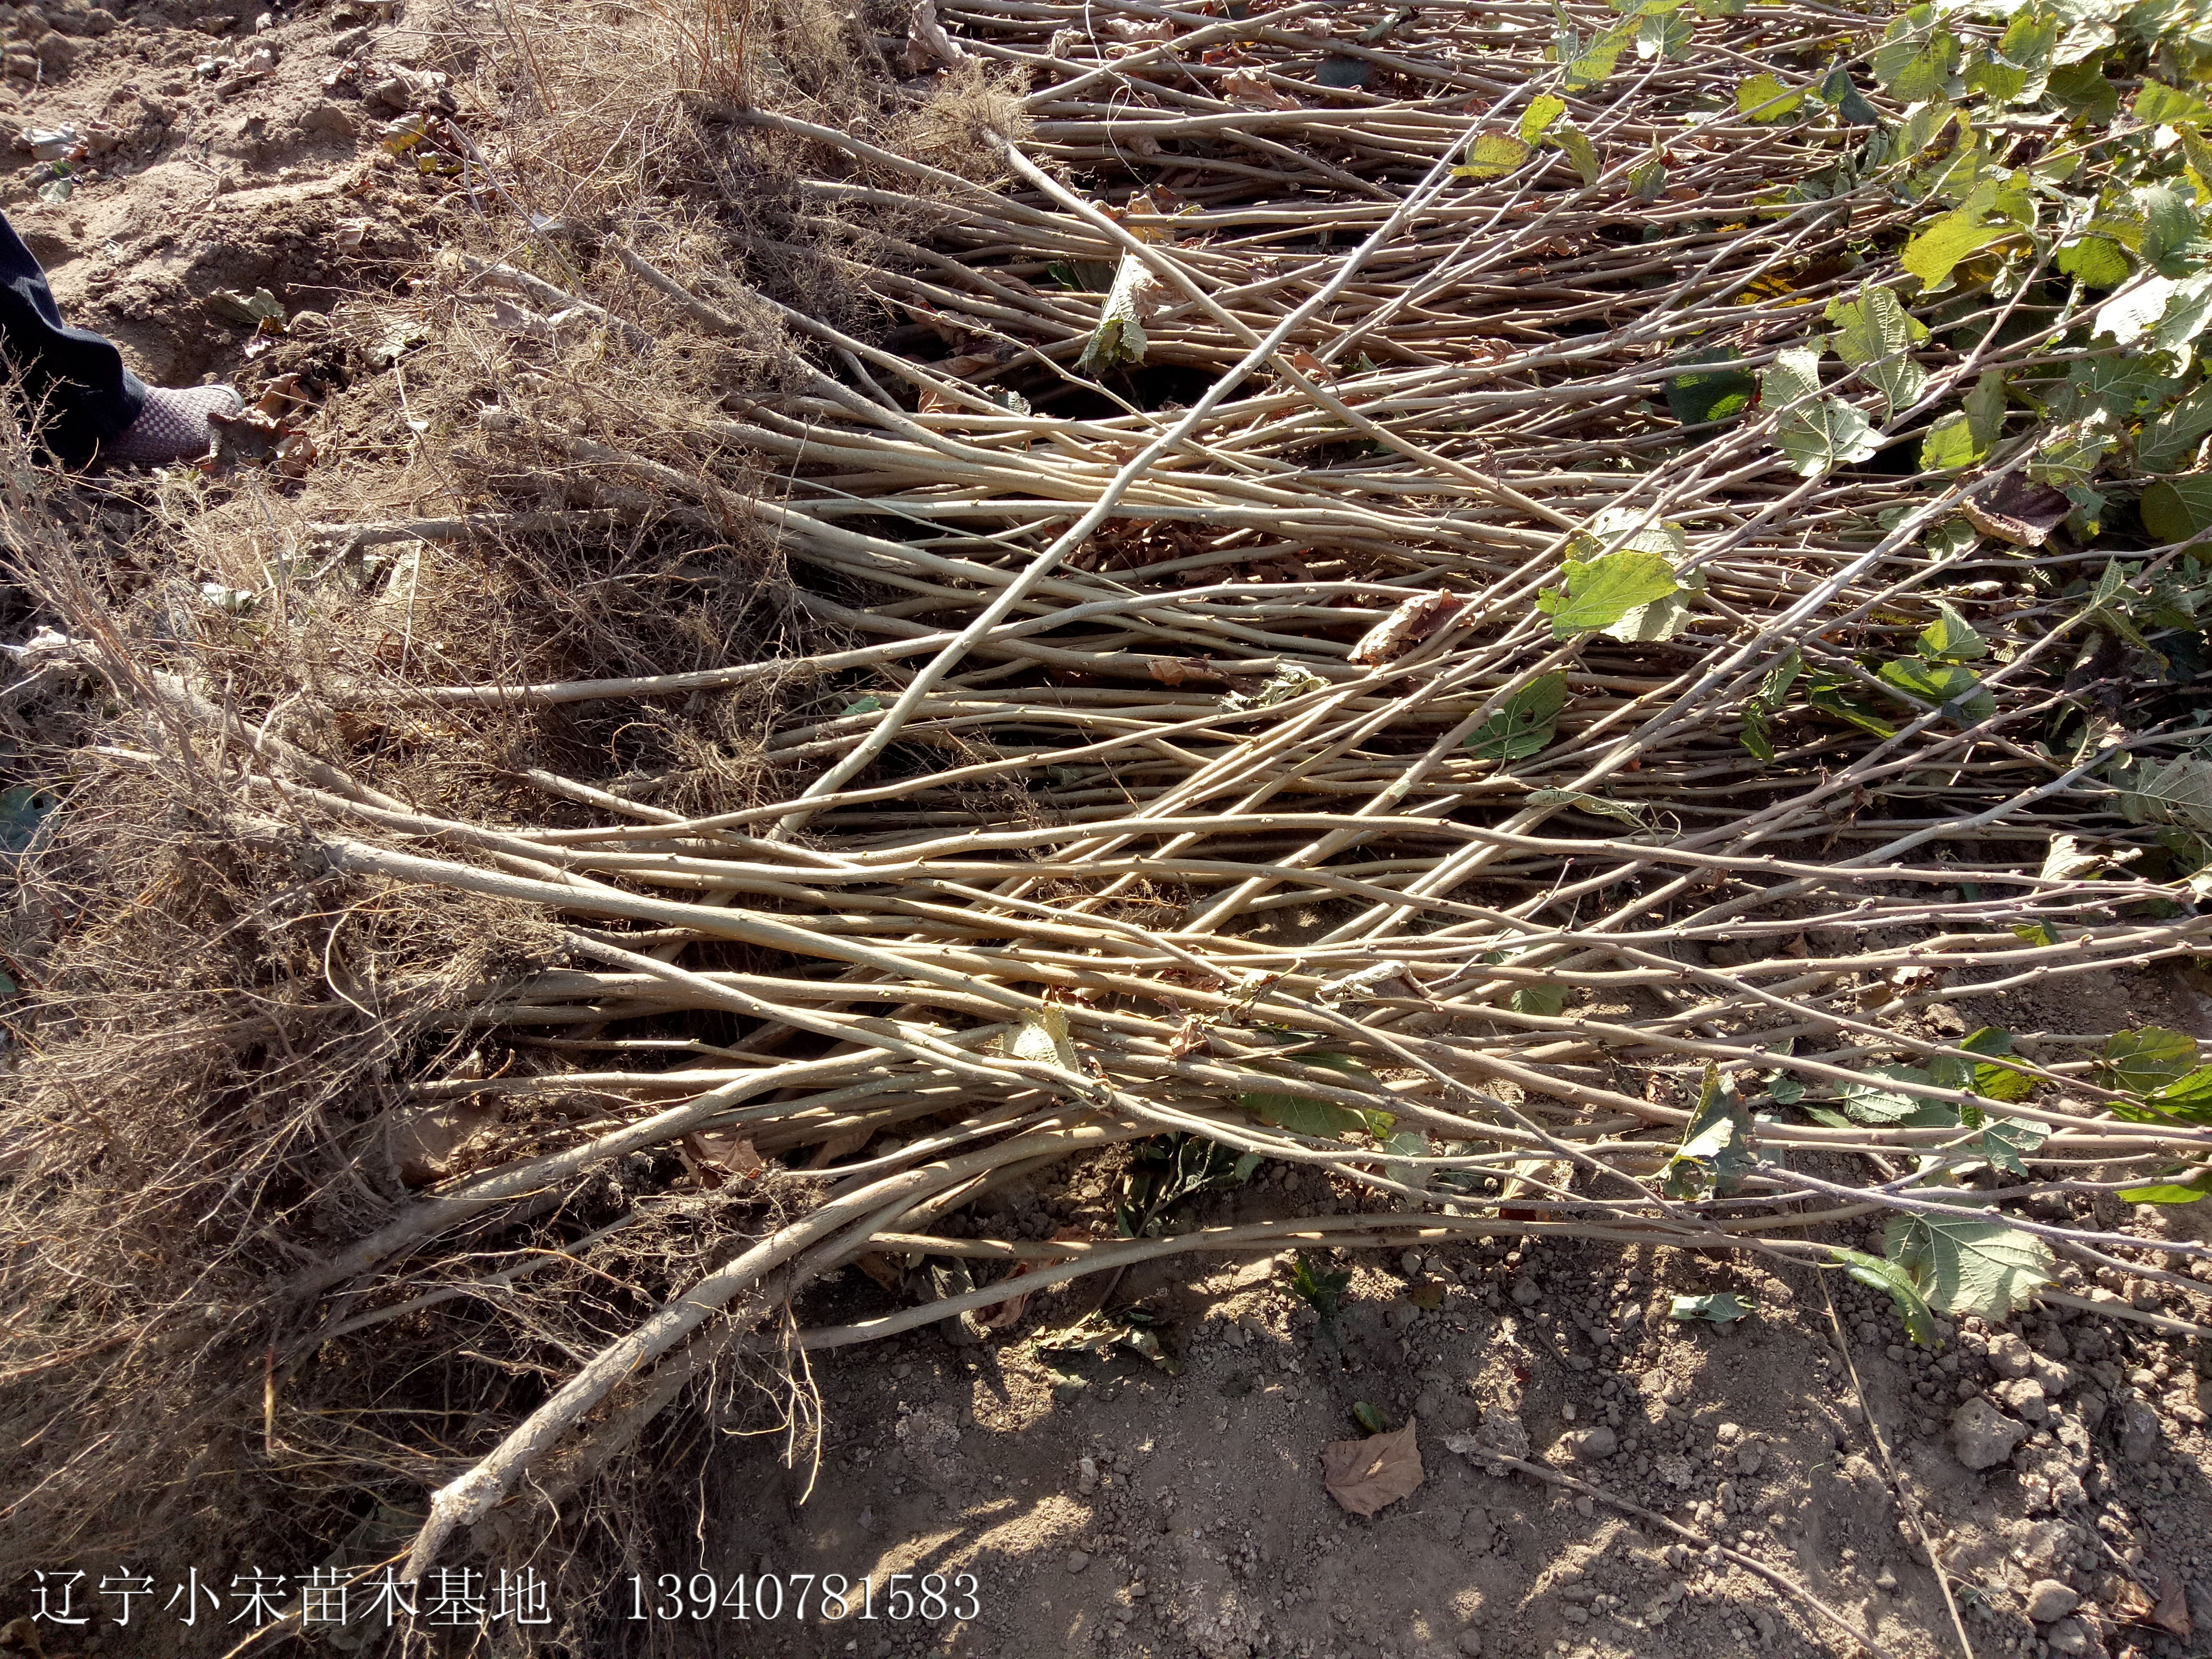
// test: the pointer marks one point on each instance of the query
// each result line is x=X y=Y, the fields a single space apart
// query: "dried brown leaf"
x=1366 y=1475
x=1415 y=620
x=720 y=1149
x=2016 y=510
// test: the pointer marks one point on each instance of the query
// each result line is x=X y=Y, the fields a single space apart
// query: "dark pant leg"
x=77 y=388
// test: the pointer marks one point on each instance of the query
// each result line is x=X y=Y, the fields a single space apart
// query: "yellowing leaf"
x=1492 y=155
x=1763 y=97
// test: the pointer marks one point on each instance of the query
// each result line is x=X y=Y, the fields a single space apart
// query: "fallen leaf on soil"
x=2172 y=1612
x=881 y=1269
x=1365 y=1475
x=1244 y=87
x=719 y=1150
x=1174 y=671
x=1406 y=626
x=422 y=1143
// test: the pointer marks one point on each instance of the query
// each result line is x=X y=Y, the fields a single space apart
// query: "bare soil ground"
x=1107 y=1504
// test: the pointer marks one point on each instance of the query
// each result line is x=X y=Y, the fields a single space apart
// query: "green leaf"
x=1877 y=1274
x=1536 y=120
x=1873 y=333
x=2166 y=1193
x=1968 y=1263
x=1869 y=1102
x=2169 y=442
x=1824 y=434
x=2144 y=1061
x=2083 y=92
x=1833 y=695
x=1370 y=1418
x=1302 y=1115
x=1597 y=805
x=1955 y=691
x=1916 y=59
x=1664 y=38
x=2093 y=261
x=1580 y=151
x=2178 y=793
x=1763 y=97
x=2179 y=509
x=1931 y=255
x=1837 y=88
x=1119 y=341
x=1600 y=593
x=1696 y=396
x=1816 y=433
x=1524 y=725
x=1967 y=436
x=1596 y=62
x=2188 y=1098
x=871 y=704
x=2160 y=106
x=2006 y=1143
x=1545 y=1000
x=1722 y=1308
x=1320 y=1290
x=1647 y=180
x=1492 y=155
x=1951 y=638
x=1715 y=1154
x=1787 y=1091
x=2035 y=933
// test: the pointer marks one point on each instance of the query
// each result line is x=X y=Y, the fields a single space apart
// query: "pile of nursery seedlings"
x=1550 y=610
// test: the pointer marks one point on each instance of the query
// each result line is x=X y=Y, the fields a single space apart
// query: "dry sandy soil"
x=1108 y=1505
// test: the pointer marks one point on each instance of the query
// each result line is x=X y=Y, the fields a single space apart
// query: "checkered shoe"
x=172 y=426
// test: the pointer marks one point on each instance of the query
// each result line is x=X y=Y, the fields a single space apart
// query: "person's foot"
x=173 y=426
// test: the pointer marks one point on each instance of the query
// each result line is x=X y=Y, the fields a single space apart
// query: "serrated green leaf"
x=1877 y=1274
x=1596 y=62
x=2006 y=1143
x=1715 y=1151
x=1873 y=333
x=1968 y=1264
x=1548 y=1000
x=1951 y=638
x=2186 y=1097
x=2179 y=509
x=2035 y=933
x=2160 y=106
x=1664 y=38
x=1932 y=254
x=1866 y=1101
x=2083 y=93
x=1722 y=1308
x=2145 y=1060
x=2178 y=792
x=1916 y=59
x=1598 y=593
x=1536 y=120
x=1955 y=691
x=1492 y=155
x=1826 y=434
x=2169 y=442
x=2093 y=261
x=1950 y=446
x=1763 y=97
x=1303 y=1115
x=1524 y=725
x=1580 y=151
x=1697 y=396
